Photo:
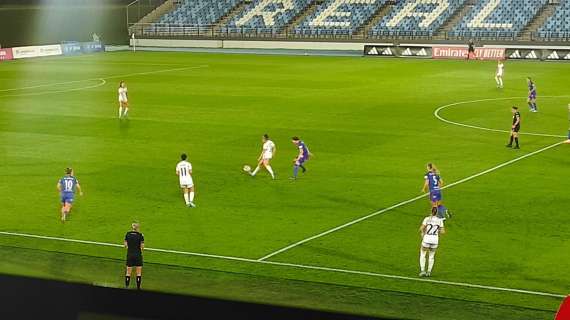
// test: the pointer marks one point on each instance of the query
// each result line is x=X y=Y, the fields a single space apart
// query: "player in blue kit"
x=433 y=182
x=303 y=156
x=66 y=187
x=531 y=95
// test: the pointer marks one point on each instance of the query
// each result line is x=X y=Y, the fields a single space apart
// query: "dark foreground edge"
x=30 y=298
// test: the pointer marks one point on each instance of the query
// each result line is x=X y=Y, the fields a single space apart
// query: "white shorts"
x=426 y=245
x=123 y=100
x=186 y=183
x=499 y=75
x=267 y=156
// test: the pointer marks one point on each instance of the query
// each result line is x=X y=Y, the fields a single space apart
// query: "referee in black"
x=471 y=49
x=134 y=242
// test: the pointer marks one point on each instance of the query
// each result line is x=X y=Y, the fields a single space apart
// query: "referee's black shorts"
x=517 y=128
x=134 y=261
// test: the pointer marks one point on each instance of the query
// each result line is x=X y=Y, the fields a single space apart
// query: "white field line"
x=438 y=116
x=397 y=205
x=297 y=266
x=104 y=78
x=101 y=83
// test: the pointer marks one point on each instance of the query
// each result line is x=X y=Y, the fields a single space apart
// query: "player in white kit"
x=267 y=153
x=184 y=172
x=499 y=74
x=431 y=228
x=123 y=100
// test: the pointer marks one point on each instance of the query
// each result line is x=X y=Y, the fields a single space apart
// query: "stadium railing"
x=191 y=31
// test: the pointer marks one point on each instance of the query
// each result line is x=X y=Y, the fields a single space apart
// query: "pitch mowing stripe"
x=101 y=78
x=293 y=265
x=397 y=205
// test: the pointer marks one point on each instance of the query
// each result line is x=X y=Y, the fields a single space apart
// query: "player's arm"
x=58 y=186
x=424 y=188
x=442 y=230
x=78 y=186
x=301 y=153
x=126 y=244
x=422 y=229
x=440 y=183
x=142 y=245
x=517 y=122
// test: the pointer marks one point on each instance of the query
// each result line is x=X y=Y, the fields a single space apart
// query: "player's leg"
x=511 y=138
x=256 y=170
x=516 y=136
x=500 y=81
x=497 y=81
x=423 y=253
x=139 y=276
x=534 y=106
x=268 y=167
x=128 y=276
x=191 y=195
x=296 y=166
x=431 y=261
x=120 y=109
x=126 y=105
x=530 y=104
x=185 y=194
x=303 y=168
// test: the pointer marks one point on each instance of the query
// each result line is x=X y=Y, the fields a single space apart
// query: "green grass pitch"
x=371 y=126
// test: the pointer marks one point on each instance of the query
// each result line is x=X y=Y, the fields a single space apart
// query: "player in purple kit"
x=66 y=187
x=531 y=95
x=303 y=156
x=433 y=182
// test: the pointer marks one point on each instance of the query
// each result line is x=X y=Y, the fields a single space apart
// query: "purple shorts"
x=435 y=195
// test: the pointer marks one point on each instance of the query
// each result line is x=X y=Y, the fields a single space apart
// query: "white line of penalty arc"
x=105 y=78
x=293 y=265
x=400 y=204
x=437 y=114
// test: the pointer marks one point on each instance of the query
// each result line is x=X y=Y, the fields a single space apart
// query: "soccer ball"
x=246 y=168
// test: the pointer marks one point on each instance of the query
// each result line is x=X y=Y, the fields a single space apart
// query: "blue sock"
x=535 y=106
x=295 y=171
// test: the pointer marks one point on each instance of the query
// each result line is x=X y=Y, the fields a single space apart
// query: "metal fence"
x=157 y=30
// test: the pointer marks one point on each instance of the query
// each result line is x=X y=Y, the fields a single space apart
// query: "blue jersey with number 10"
x=433 y=180
x=68 y=184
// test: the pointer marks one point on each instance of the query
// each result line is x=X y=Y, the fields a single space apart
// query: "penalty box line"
x=403 y=203
x=297 y=266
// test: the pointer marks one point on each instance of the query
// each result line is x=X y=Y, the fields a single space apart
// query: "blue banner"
x=89 y=47
x=70 y=48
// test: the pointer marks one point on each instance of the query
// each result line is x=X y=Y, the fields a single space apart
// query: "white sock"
x=120 y=112
x=431 y=260
x=501 y=82
x=126 y=111
x=270 y=171
x=186 y=197
x=191 y=196
x=255 y=171
x=422 y=260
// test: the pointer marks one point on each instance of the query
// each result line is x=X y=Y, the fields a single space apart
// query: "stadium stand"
x=339 y=17
x=497 y=18
x=267 y=16
x=193 y=13
x=557 y=26
x=447 y=19
x=419 y=17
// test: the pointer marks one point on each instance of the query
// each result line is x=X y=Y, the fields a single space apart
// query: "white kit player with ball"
x=267 y=153
x=430 y=230
x=184 y=172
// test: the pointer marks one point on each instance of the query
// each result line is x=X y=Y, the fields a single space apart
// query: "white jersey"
x=500 y=69
x=433 y=226
x=268 y=149
x=123 y=94
x=184 y=170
